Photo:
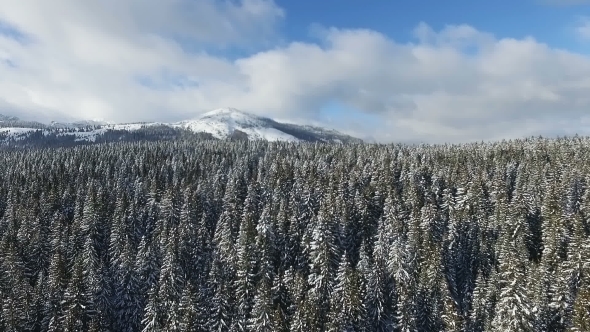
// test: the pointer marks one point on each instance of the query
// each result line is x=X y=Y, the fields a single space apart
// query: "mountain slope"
x=4 y=118
x=223 y=123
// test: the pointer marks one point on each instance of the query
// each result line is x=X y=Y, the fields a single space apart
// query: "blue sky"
x=505 y=18
x=431 y=71
x=397 y=19
x=548 y=21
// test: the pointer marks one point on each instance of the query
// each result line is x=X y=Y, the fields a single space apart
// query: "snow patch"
x=17 y=131
x=17 y=134
x=132 y=126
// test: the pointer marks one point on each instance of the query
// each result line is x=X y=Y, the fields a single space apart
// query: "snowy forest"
x=199 y=235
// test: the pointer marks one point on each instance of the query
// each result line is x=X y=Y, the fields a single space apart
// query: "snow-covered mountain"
x=229 y=122
x=223 y=123
x=226 y=123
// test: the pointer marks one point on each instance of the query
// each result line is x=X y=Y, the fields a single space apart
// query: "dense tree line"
x=256 y=236
x=88 y=135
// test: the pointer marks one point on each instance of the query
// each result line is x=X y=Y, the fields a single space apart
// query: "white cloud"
x=117 y=60
x=85 y=57
x=583 y=29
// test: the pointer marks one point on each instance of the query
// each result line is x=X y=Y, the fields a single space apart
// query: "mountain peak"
x=222 y=111
x=230 y=112
x=230 y=122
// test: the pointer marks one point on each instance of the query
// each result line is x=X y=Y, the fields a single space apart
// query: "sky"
x=387 y=71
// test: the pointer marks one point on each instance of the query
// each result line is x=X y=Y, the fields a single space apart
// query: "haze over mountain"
x=223 y=123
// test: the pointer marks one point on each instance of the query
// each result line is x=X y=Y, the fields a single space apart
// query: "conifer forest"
x=212 y=235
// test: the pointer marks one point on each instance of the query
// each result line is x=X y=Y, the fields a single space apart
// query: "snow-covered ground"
x=88 y=136
x=22 y=133
x=131 y=126
x=17 y=131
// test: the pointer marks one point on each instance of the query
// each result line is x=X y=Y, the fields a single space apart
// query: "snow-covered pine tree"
x=347 y=308
x=514 y=310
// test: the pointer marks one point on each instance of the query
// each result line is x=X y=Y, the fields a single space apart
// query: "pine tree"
x=380 y=298
x=323 y=260
x=152 y=316
x=76 y=301
x=579 y=268
x=127 y=302
x=245 y=282
x=192 y=318
x=15 y=292
x=262 y=317
x=347 y=309
x=171 y=283
x=222 y=307
x=299 y=311
x=514 y=311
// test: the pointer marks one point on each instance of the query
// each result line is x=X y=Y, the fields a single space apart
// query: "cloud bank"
x=160 y=60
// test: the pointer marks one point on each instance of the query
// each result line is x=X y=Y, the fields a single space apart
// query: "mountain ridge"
x=222 y=123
